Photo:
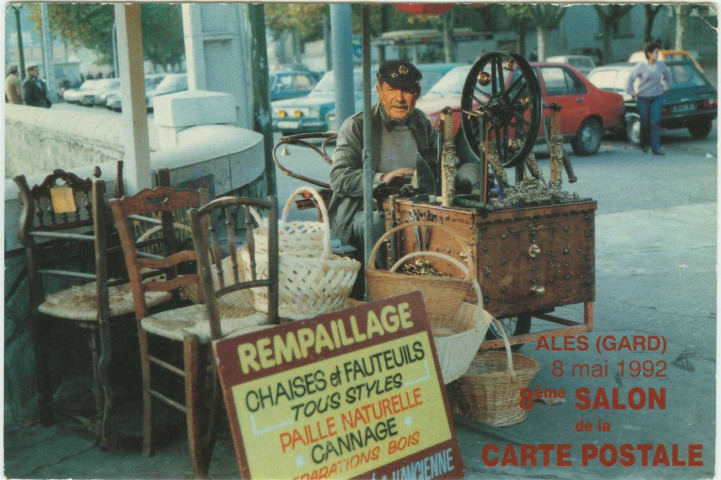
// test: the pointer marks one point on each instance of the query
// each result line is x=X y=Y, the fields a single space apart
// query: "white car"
x=76 y=95
x=582 y=63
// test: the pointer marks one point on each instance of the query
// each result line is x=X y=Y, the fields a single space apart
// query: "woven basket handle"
x=461 y=267
x=258 y=218
x=323 y=212
x=455 y=236
x=509 y=356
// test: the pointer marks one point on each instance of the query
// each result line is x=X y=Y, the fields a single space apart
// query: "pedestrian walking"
x=35 y=92
x=13 y=93
x=654 y=80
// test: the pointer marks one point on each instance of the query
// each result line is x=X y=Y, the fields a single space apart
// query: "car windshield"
x=606 y=79
x=326 y=86
x=579 y=62
x=108 y=83
x=173 y=82
x=685 y=75
x=451 y=83
x=89 y=84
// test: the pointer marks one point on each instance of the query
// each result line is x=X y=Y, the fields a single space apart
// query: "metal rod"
x=368 y=241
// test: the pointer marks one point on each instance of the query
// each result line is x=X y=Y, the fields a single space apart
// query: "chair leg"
x=98 y=388
x=215 y=409
x=147 y=399
x=192 y=405
x=44 y=390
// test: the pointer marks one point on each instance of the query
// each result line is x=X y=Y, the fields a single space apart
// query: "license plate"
x=683 y=108
x=287 y=124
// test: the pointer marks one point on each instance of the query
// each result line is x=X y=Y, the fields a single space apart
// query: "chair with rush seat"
x=224 y=280
x=65 y=229
x=174 y=343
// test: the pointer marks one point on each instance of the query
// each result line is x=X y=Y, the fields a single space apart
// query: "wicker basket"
x=299 y=238
x=443 y=295
x=308 y=284
x=491 y=389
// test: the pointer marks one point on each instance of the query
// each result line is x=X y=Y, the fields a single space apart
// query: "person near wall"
x=35 y=92
x=401 y=134
x=13 y=93
x=654 y=79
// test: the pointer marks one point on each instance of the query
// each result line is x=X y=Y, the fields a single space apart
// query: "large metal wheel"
x=501 y=94
x=519 y=325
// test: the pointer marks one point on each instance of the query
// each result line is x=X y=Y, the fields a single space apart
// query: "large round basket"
x=443 y=295
x=308 y=284
x=457 y=341
x=299 y=238
x=490 y=390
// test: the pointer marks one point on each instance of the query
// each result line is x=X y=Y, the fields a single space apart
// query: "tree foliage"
x=546 y=17
x=90 y=25
x=651 y=12
x=609 y=15
x=303 y=18
x=521 y=19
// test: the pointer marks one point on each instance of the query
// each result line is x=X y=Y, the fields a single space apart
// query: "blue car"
x=291 y=83
x=316 y=111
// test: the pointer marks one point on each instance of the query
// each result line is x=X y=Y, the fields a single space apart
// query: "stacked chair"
x=65 y=229
x=176 y=342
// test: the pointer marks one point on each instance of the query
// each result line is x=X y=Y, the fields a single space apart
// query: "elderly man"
x=35 y=92
x=12 y=86
x=400 y=134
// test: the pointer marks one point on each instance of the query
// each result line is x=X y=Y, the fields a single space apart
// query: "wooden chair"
x=186 y=326
x=224 y=281
x=65 y=230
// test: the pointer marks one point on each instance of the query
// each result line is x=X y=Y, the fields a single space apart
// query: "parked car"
x=173 y=82
x=91 y=96
x=665 y=55
x=582 y=63
x=691 y=102
x=151 y=83
x=75 y=95
x=586 y=110
x=316 y=111
x=290 y=84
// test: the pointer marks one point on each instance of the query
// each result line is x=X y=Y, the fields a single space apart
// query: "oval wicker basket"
x=490 y=390
x=296 y=237
x=443 y=295
x=309 y=284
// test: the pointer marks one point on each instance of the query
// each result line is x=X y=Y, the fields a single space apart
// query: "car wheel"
x=519 y=325
x=633 y=130
x=700 y=130
x=588 y=138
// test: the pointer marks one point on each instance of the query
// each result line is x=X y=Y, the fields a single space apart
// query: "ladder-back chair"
x=226 y=282
x=65 y=230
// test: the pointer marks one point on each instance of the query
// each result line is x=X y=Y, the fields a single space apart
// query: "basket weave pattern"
x=491 y=389
x=312 y=280
x=298 y=238
x=443 y=295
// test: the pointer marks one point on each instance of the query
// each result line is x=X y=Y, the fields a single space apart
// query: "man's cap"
x=13 y=69
x=400 y=74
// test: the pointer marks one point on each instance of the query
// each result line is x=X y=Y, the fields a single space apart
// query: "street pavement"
x=656 y=250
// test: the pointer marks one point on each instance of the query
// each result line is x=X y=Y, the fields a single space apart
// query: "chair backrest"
x=217 y=244
x=57 y=215
x=154 y=233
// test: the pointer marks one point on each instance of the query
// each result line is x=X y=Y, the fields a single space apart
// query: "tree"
x=546 y=17
x=609 y=15
x=299 y=20
x=91 y=24
x=521 y=17
x=651 y=12
x=682 y=12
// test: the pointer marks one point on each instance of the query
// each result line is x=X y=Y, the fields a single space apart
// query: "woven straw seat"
x=80 y=302
x=175 y=324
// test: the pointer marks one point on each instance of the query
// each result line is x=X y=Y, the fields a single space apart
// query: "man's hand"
x=396 y=175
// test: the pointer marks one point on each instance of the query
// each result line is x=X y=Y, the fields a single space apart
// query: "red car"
x=587 y=111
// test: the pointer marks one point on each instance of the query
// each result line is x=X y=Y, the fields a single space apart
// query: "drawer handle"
x=534 y=250
x=538 y=291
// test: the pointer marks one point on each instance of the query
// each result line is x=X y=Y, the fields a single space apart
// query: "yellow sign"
x=352 y=394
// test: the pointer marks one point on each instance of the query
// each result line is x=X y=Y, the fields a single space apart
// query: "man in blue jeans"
x=654 y=79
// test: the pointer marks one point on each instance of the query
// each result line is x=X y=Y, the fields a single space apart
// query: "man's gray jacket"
x=346 y=173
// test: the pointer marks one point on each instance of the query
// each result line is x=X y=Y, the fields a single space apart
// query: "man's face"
x=397 y=103
x=34 y=72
